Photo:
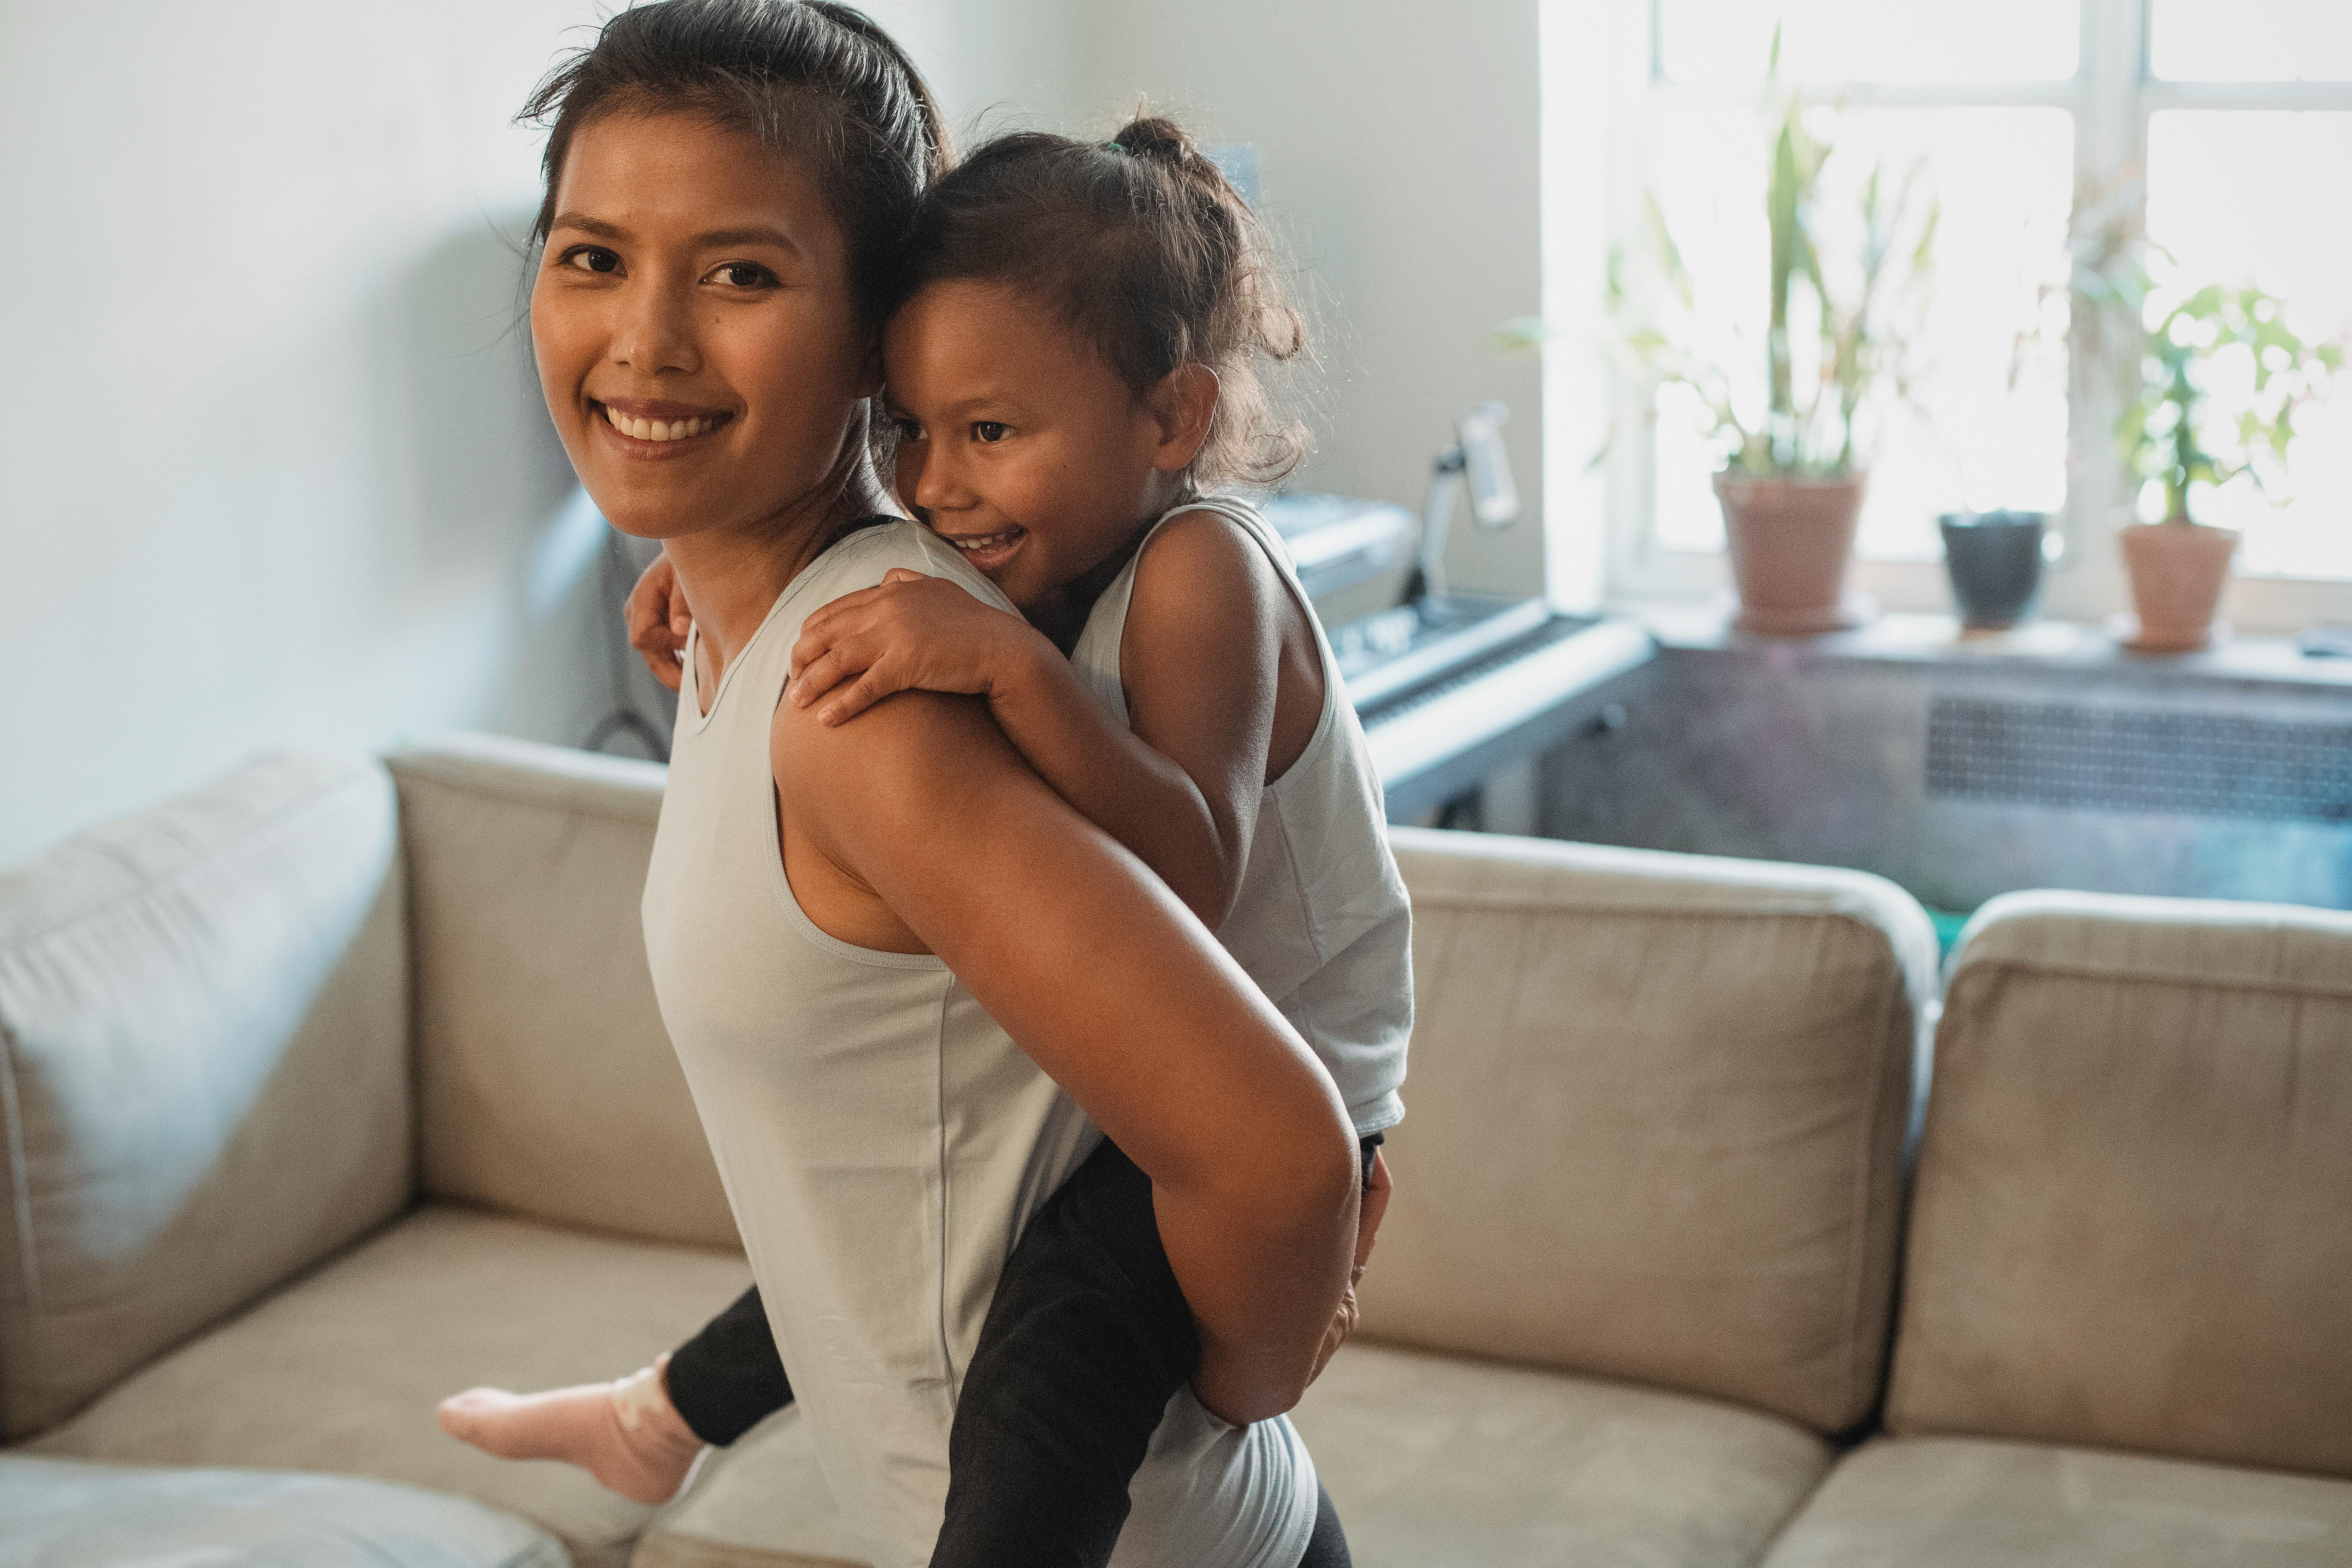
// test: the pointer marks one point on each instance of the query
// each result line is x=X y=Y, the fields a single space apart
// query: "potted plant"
x=1994 y=560
x=2220 y=375
x=1847 y=289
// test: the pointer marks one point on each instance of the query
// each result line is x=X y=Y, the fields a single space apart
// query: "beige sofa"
x=336 y=1087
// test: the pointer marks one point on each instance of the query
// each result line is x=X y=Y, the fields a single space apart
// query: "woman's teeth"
x=657 y=429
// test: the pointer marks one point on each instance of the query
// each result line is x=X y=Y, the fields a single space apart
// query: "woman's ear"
x=869 y=374
x=1182 y=407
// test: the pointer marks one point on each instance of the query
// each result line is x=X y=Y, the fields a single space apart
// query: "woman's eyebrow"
x=758 y=234
x=589 y=225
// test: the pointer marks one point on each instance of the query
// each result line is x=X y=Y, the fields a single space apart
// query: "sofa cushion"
x=1436 y=1462
x=1432 y=1461
x=760 y=1502
x=547 y=1082
x=2133 y=1222
x=66 y=1513
x=340 y=1371
x=1655 y=1123
x=203 y=1067
x=1959 y=1502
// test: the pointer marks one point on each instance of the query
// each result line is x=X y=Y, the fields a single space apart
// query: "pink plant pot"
x=2178 y=571
x=1791 y=543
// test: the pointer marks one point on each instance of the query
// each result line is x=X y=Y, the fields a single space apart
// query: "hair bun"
x=1150 y=136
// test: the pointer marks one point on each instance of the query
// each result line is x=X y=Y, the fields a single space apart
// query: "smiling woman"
x=694 y=309
x=849 y=927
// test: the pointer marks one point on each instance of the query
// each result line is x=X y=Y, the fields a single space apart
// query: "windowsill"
x=1932 y=561
x=1915 y=639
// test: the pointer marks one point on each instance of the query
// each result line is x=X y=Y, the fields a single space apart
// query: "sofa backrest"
x=204 y=1067
x=2133 y=1222
x=546 y=1083
x=1654 y=1118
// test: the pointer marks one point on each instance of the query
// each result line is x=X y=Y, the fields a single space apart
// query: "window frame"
x=2111 y=97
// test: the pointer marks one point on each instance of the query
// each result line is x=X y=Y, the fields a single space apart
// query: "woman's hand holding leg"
x=1368 y=1225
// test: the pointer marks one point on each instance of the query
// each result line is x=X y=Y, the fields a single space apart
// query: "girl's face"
x=1019 y=445
x=696 y=336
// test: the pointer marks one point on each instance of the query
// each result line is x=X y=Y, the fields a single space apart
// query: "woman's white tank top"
x=883 y=1142
x=1322 y=922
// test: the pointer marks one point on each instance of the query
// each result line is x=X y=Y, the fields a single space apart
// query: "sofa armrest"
x=546 y=1082
x=204 y=1067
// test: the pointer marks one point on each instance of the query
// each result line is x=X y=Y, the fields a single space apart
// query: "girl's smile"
x=1019 y=445
x=991 y=552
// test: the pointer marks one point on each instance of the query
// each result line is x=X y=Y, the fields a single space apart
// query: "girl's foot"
x=627 y=1434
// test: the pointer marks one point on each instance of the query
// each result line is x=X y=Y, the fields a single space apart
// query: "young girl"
x=1056 y=421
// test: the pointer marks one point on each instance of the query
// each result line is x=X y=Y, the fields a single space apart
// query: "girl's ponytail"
x=1266 y=317
x=1162 y=141
x=1142 y=246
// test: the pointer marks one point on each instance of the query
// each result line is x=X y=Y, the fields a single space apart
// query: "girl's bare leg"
x=626 y=1433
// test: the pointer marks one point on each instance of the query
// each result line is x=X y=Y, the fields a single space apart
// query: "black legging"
x=1327 y=1547
x=1087 y=1338
x=733 y=1380
x=727 y=1379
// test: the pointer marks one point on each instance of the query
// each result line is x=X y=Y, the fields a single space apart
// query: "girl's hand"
x=658 y=621
x=1343 y=1321
x=912 y=632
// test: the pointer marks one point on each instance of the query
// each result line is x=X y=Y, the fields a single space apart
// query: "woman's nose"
x=655 y=332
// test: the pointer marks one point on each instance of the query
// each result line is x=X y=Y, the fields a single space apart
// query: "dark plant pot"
x=1995 y=562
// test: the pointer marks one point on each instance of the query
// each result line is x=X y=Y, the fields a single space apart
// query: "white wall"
x=1399 y=142
x=996 y=63
x=273 y=468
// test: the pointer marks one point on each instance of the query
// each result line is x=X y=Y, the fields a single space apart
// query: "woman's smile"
x=646 y=427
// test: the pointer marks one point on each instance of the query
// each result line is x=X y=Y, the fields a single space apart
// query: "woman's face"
x=698 y=339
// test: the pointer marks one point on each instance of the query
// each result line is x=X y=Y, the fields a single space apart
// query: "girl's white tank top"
x=1322 y=922
x=883 y=1142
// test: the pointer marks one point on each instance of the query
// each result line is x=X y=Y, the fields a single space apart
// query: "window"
x=2230 y=193
x=2225 y=124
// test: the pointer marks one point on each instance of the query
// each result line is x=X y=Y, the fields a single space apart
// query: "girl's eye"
x=744 y=275
x=591 y=259
x=987 y=432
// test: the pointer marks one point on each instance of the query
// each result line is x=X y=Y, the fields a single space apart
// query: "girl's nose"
x=938 y=487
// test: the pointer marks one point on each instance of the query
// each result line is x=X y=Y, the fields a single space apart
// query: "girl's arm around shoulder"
x=1117 y=993
x=915 y=632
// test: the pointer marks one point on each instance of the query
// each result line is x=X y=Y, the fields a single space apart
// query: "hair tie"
x=1118 y=147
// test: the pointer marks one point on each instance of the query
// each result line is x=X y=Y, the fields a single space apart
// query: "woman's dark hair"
x=815 y=80
x=1141 y=247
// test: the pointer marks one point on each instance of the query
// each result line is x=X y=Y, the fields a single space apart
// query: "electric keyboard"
x=1448 y=690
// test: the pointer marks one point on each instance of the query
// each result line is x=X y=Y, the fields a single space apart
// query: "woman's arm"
x=923 y=815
